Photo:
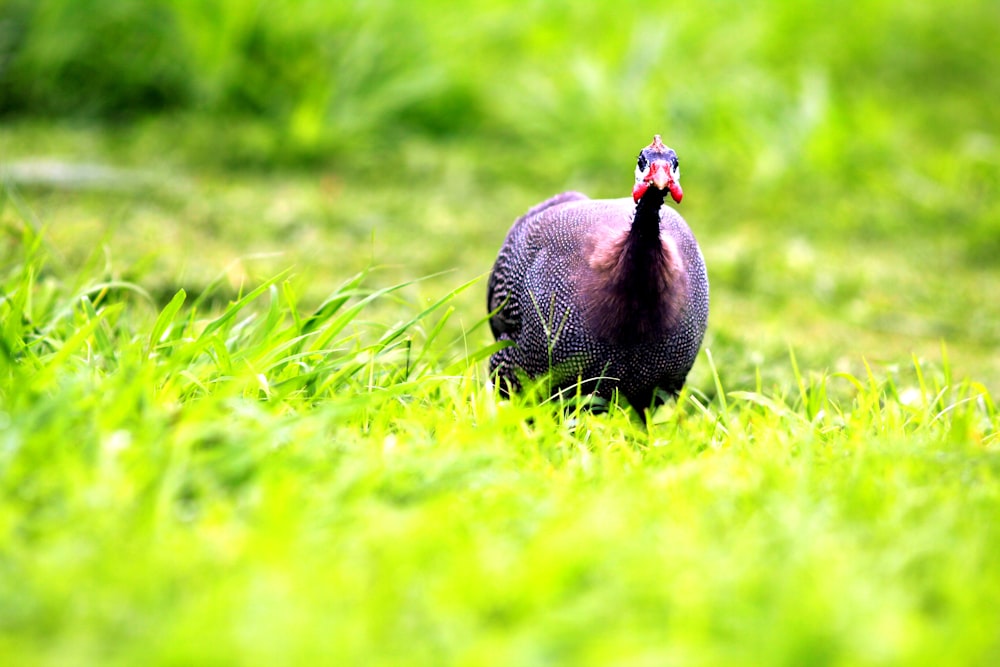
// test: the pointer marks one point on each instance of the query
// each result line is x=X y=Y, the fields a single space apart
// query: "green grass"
x=266 y=482
x=244 y=415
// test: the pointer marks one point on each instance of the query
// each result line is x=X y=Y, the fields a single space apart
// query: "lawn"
x=244 y=415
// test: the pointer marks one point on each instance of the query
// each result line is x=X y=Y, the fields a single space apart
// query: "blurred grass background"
x=839 y=162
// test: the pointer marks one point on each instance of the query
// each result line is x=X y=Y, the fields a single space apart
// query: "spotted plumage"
x=606 y=294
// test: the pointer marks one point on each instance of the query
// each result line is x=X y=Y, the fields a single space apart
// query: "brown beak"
x=659 y=173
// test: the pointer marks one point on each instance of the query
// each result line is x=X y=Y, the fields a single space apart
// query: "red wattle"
x=639 y=190
x=675 y=191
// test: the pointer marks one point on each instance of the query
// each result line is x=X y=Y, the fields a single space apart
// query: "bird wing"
x=505 y=318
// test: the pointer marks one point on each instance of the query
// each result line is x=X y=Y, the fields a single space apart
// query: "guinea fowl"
x=604 y=294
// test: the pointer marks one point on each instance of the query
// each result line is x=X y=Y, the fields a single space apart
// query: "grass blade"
x=164 y=320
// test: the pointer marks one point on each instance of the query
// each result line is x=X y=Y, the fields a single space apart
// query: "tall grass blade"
x=164 y=320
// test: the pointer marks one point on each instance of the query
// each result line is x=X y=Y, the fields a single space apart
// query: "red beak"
x=659 y=173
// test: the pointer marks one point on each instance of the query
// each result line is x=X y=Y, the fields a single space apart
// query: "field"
x=244 y=415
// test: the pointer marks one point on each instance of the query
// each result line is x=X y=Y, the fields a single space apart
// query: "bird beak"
x=659 y=173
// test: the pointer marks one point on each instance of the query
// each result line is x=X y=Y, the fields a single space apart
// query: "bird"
x=602 y=296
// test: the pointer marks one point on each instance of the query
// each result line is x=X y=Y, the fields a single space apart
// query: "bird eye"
x=642 y=162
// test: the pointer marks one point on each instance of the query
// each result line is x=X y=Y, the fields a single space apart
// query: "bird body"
x=610 y=293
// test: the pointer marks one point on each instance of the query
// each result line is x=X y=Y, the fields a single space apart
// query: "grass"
x=262 y=482
x=243 y=408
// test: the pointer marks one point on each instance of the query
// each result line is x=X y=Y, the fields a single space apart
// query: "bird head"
x=657 y=166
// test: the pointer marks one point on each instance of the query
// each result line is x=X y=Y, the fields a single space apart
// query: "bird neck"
x=637 y=283
x=646 y=259
x=646 y=222
x=640 y=281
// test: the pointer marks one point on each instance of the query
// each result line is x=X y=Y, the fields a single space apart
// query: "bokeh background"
x=839 y=160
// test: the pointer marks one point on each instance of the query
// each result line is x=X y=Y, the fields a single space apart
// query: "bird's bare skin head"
x=657 y=166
